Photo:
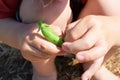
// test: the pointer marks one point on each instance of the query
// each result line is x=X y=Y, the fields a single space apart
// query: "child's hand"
x=90 y=68
x=93 y=68
x=92 y=37
x=34 y=46
x=58 y=13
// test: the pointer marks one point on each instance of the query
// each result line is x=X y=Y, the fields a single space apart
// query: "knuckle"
x=87 y=43
x=73 y=35
x=43 y=47
x=91 y=19
x=89 y=57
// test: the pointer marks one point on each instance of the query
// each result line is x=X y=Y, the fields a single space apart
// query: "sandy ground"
x=113 y=63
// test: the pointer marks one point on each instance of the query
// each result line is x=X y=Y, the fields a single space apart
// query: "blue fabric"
x=17 y=16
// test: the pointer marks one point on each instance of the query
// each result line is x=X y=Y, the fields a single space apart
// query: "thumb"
x=68 y=30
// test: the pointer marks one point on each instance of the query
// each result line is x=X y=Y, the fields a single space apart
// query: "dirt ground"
x=14 y=67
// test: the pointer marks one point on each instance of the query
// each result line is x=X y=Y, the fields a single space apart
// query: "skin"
x=61 y=13
x=96 y=37
x=95 y=25
x=25 y=38
x=21 y=38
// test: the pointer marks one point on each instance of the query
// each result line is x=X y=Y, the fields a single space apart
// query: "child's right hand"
x=33 y=45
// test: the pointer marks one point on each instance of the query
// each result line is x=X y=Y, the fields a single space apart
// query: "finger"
x=32 y=54
x=79 y=29
x=91 y=68
x=68 y=30
x=94 y=53
x=84 y=43
x=45 y=46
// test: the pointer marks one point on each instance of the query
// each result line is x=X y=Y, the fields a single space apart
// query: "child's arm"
x=24 y=37
x=10 y=31
x=101 y=7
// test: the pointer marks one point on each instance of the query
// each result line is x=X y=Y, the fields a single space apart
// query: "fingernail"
x=80 y=57
x=85 y=78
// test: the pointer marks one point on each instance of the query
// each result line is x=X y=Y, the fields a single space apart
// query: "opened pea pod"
x=49 y=33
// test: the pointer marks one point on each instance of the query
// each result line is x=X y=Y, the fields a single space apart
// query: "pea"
x=49 y=33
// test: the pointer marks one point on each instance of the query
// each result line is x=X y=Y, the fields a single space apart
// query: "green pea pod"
x=49 y=34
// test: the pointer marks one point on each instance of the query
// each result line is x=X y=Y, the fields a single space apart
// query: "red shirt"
x=8 y=7
x=83 y=1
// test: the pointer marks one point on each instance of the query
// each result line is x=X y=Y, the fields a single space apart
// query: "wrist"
x=23 y=31
x=36 y=77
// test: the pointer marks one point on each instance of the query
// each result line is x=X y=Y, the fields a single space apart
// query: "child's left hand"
x=90 y=38
x=90 y=68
